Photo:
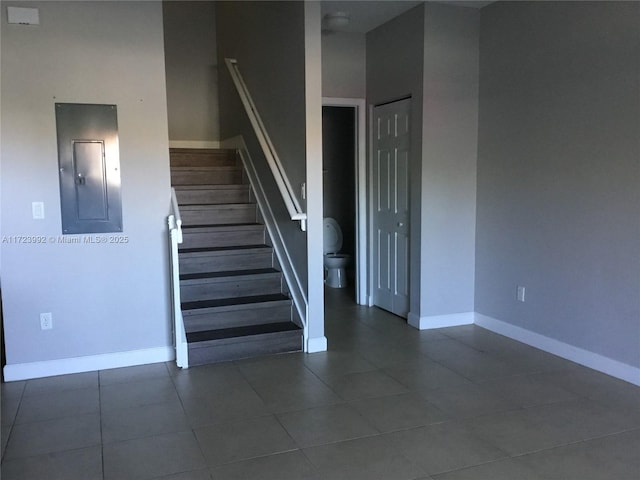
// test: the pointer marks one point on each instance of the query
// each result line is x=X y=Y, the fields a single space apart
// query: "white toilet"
x=334 y=262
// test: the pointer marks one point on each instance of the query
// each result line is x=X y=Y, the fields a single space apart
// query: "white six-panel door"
x=390 y=217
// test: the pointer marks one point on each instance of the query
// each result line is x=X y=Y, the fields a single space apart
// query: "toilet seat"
x=332 y=236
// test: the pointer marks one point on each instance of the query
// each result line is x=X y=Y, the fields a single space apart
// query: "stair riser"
x=219 y=215
x=222 y=239
x=201 y=197
x=203 y=159
x=216 y=351
x=226 y=263
x=237 y=318
x=238 y=288
x=207 y=177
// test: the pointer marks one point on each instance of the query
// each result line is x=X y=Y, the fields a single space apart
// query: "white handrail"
x=175 y=238
x=296 y=290
x=280 y=176
x=176 y=214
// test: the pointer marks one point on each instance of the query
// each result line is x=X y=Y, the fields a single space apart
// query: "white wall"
x=192 y=70
x=109 y=298
x=559 y=173
x=343 y=64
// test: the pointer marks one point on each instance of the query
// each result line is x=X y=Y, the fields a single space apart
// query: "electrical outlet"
x=46 y=321
x=520 y=294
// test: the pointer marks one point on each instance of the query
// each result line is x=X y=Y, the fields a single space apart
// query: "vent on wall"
x=23 y=16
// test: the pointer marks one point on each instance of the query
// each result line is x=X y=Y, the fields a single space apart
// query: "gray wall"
x=559 y=172
x=267 y=39
x=191 y=70
x=343 y=64
x=450 y=126
x=394 y=71
x=104 y=298
x=431 y=53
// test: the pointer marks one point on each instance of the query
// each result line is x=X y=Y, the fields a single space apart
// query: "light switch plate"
x=37 y=210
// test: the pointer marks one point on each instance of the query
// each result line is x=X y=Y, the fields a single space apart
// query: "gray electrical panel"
x=89 y=165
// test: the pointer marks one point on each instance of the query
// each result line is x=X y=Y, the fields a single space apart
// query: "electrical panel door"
x=89 y=163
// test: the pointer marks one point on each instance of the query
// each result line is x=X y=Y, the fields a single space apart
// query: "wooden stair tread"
x=222 y=225
x=202 y=156
x=206 y=168
x=222 y=302
x=213 y=194
x=206 y=206
x=216 y=205
x=215 y=151
x=223 y=249
x=239 y=332
x=214 y=186
x=228 y=273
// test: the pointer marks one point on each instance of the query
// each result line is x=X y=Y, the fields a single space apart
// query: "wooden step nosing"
x=236 y=273
x=202 y=150
x=199 y=207
x=226 y=227
x=206 y=187
x=206 y=168
x=188 y=222
x=255 y=340
x=192 y=324
x=231 y=279
x=256 y=337
x=266 y=250
x=236 y=307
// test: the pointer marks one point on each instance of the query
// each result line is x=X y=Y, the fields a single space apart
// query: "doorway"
x=344 y=184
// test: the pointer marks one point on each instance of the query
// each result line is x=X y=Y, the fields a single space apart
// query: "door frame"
x=363 y=293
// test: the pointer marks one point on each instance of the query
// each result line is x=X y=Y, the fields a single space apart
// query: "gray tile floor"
x=385 y=402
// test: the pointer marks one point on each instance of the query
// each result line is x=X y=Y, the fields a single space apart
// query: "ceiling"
x=367 y=15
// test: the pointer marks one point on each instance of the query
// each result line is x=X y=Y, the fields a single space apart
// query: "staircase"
x=233 y=297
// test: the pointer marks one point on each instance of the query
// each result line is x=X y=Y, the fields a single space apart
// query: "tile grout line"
x=192 y=429
x=575 y=442
x=101 y=432
x=13 y=423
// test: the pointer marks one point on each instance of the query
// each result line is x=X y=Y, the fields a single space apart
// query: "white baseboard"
x=589 y=359
x=440 y=321
x=194 y=144
x=63 y=366
x=317 y=344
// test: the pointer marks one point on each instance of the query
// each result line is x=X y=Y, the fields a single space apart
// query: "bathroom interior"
x=339 y=189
